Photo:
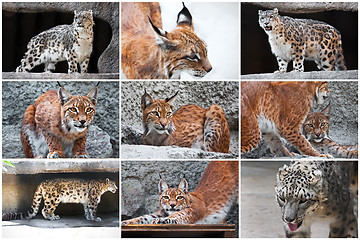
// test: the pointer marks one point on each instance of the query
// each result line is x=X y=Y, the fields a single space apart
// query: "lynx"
x=58 y=122
x=277 y=109
x=190 y=126
x=316 y=131
x=209 y=203
x=66 y=190
x=148 y=52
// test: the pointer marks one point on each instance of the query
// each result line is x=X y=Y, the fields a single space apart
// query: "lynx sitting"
x=277 y=109
x=190 y=126
x=58 y=122
x=148 y=52
x=209 y=203
x=316 y=131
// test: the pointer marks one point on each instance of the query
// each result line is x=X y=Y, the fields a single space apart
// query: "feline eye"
x=310 y=125
x=88 y=110
x=166 y=197
x=168 y=114
x=179 y=198
x=193 y=57
x=302 y=201
x=323 y=124
x=156 y=114
x=74 y=110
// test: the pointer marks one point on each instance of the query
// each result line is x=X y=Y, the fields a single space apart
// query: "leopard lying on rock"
x=309 y=191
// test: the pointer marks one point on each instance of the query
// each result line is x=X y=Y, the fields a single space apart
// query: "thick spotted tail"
x=31 y=213
x=340 y=62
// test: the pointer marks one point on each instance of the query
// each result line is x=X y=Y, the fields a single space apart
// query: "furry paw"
x=83 y=155
x=326 y=155
x=57 y=154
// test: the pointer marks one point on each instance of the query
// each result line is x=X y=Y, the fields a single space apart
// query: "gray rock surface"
x=107 y=11
x=143 y=176
x=44 y=75
x=204 y=94
x=343 y=120
x=350 y=74
x=17 y=96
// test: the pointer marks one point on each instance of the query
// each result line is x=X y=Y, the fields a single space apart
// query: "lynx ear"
x=275 y=11
x=326 y=111
x=63 y=95
x=184 y=18
x=146 y=100
x=162 y=186
x=282 y=172
x=183 y=186
x=161 y=38
x=170 y=99
x=93 y=94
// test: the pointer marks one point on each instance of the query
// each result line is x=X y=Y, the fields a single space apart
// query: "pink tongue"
x=293 y=227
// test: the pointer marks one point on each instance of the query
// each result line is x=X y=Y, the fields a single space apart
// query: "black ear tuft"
x=184 y=17
x=169 y=99
x=157 y=30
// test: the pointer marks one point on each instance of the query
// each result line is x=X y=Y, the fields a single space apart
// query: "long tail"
x=31 y=213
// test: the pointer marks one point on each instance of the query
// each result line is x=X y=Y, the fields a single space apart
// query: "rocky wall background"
x=201 y=93
x=103 y=136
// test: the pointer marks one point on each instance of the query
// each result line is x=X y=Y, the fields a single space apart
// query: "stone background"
x=204 y=94
x=343 y=120
x=139 y=184
x=18 y=95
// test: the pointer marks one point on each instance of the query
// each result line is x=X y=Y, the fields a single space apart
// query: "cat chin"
x=317 y=140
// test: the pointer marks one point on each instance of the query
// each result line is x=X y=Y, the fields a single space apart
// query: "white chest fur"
x=279 y=47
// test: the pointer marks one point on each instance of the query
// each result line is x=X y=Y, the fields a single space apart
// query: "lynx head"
x=316 y=125
x=110 y=185
x=84 y=19
x=182 y=48
x=157 y=114
x=268 y=19
x=173 y=199
x=77 y=112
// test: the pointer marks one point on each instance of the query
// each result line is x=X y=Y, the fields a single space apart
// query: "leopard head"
x=157 y=114
x=298 y=193
x=77 y=112
x=84 y=20
x=172 y=200
x=316 y=125
x=110 y=185
x=269 y=19
x=182 y=49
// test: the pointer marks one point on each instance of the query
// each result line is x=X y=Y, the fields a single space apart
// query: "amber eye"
x=168 y=114
x=310 y=125
x=89 y=110
x=74 y=110
x=156 y=114
x=179 y=198
x=323 y=124
x=166 y=197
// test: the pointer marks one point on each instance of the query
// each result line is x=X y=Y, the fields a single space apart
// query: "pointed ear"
x=161 y=38
x=162 y=186
x=275 y=11
x=63 y=95
x=184 y=18
x=170 y=99
x=146 y=100
x=93 y=94
x=282 y=172
x=326 y=111
x=183 y=186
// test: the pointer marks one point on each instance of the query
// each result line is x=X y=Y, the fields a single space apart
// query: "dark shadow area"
x=256 y=55
x=19 y=28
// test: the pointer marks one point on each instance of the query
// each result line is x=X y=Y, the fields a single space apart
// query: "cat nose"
x=82 y=122
x=172 y=205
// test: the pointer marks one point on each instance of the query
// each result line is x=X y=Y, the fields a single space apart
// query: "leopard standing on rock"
x=72 y=43
x=302 y=39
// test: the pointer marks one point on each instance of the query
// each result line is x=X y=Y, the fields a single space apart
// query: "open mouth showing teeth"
x=268 y=28
x=294 y=227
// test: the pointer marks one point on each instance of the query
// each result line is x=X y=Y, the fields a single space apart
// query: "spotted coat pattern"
x=190 y=126
x=72 y=43
x=309 y=191
x=60 y=190
x=302 y=39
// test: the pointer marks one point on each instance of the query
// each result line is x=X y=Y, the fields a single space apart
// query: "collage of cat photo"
x=130 y=119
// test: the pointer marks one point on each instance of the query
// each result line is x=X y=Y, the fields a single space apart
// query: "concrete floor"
x=68 y=227
x=260 y=214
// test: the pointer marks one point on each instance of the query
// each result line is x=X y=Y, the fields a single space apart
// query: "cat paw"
x=56 y=155
x=54 y=217
x=164 y=221
x=83 y=155
x=326 y=155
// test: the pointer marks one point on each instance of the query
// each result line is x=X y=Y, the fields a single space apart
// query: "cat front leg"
x=79 y=148
x=84 y=65
x=55 y=146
